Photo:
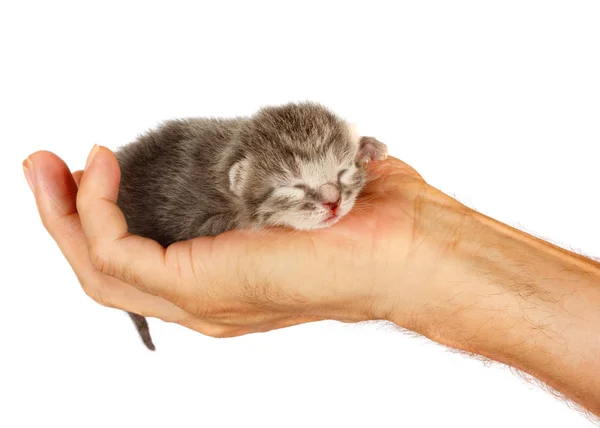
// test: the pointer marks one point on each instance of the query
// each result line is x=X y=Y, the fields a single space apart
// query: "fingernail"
x=91 y=156
x=28 y=170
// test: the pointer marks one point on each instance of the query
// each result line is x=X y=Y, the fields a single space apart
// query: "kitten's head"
x=300 y=166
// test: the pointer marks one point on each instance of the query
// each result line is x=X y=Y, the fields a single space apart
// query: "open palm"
x=240 y=281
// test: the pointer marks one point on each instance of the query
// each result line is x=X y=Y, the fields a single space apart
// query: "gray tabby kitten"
x=297 y=165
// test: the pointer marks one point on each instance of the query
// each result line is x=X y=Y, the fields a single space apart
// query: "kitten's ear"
x=237 y=176
x=371 y=149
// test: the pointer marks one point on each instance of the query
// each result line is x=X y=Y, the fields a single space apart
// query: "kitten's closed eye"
x=306 y=191
x=346 y=175
x=292 y=192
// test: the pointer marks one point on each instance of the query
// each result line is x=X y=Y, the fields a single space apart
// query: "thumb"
x=113 y=250
x=107 y=170
x=97 y=196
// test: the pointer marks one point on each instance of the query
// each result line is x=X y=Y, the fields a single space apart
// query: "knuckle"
x=103 y=300
x=46 y=222
x=95 y=293
x=106 y=264
x=100 y=260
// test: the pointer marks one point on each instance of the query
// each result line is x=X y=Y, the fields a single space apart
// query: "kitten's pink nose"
x=332 y=206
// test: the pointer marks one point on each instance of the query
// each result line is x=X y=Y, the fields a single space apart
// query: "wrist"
x=418 y=294
x=465 y=269
x=501 y=293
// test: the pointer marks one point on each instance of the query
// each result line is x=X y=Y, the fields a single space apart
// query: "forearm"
x=509 y=296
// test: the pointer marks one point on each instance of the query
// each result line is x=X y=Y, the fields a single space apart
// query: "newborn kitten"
x=297 y=165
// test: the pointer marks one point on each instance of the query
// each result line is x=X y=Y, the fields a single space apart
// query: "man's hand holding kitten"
x=241 y=281
x=406 y=253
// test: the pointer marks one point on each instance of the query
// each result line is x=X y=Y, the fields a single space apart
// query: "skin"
x=407 y=253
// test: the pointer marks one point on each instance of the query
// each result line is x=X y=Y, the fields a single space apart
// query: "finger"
x=55 y=198
x=216 y=329
x=77 y=177
x=392 y=166
x=209 y=328
x=117 y=294
x=55 y=193
x=282 y=323
x=115 y=252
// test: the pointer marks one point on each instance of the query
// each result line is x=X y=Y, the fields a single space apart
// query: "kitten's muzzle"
x=330 y=198
x=330 y=193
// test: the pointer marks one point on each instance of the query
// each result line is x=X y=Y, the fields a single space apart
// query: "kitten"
x=296 y=165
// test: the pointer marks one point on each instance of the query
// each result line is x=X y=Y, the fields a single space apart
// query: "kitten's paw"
x=371 y=149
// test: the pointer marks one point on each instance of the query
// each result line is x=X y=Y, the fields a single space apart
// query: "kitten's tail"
x=142 y=327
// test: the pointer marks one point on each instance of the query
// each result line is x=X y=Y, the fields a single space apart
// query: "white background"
x=497 y=103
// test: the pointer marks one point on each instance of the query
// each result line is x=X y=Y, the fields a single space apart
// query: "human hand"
x=364 y=267
x=407 y=253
